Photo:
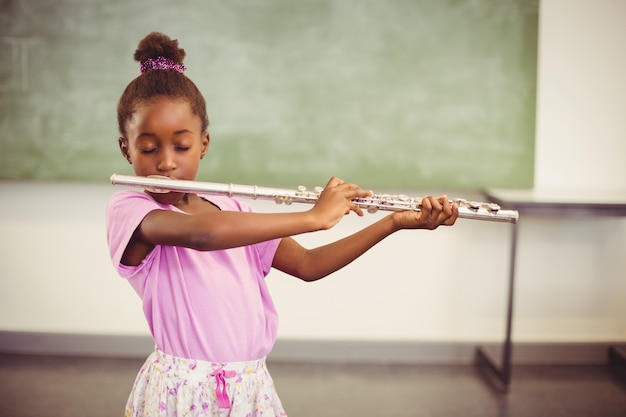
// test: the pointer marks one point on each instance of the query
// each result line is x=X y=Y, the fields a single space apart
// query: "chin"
x=167 y=198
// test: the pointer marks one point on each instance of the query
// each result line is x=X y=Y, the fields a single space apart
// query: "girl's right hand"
x=335 y=201
x=435 y=212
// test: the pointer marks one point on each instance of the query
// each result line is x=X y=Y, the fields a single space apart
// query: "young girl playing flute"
x=199 y=262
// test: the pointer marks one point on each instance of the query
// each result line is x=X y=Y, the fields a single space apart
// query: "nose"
x=167 y=162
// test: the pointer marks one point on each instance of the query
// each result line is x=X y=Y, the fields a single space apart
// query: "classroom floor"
x=51 y=386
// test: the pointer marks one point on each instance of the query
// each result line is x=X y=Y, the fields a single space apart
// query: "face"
x=165 y=138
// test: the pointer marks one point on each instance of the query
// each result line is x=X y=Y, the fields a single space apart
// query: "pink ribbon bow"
x=220 y=390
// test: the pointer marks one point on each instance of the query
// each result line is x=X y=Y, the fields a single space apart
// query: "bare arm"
x=215 y=229
x=313 y=264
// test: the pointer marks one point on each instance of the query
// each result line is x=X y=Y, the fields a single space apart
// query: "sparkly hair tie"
x=161 y=63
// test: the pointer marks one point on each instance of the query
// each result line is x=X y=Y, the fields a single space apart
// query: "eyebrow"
x=152 y=135
x=178 y=132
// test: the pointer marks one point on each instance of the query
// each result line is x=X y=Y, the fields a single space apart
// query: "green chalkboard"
x=385 y=93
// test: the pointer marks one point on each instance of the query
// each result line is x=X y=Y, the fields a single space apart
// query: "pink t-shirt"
x=208 y=305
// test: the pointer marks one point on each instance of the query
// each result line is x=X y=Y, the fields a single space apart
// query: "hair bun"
x=157 y=46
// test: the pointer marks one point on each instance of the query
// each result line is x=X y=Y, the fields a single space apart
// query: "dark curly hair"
x=159 y=83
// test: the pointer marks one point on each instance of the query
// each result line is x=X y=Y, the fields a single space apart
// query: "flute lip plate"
x=157 y=190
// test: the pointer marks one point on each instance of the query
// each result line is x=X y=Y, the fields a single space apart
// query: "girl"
x=199 y=262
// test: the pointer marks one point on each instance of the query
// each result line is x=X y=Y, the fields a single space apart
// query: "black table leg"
x=502 y=373
x=617 y=361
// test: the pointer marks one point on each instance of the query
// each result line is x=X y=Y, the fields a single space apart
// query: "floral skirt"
x=170 y=386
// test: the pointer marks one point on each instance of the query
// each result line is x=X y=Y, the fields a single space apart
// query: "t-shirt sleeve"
x=125 y=211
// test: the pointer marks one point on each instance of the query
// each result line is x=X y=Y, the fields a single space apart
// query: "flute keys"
x=493 y=207
x=283 y=199
x=459 y=201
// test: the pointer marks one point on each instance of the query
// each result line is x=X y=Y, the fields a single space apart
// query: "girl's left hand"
x=435 y=212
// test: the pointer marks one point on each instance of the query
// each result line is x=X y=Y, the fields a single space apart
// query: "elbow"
x=310 y=274
x=203 y=240
x=310 y=277
x=302 y=272
x=209 y=242
x=217 y=236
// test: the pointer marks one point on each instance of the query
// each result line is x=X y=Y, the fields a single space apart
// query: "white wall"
x=447 y=285
x=581 y=128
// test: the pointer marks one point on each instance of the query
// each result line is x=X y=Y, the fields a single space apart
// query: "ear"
x=123 y=143
x=205 y=144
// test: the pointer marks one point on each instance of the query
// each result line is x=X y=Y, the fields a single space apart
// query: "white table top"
x=596 y=201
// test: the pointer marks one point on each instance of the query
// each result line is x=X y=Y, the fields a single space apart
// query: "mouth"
x=157 y=190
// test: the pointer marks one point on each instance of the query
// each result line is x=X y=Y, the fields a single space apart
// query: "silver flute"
x=385 y=202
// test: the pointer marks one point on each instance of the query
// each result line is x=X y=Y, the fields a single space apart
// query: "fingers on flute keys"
x=348 y=192
x=438 y=211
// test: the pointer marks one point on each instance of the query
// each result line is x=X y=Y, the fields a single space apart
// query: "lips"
x=156 y=190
